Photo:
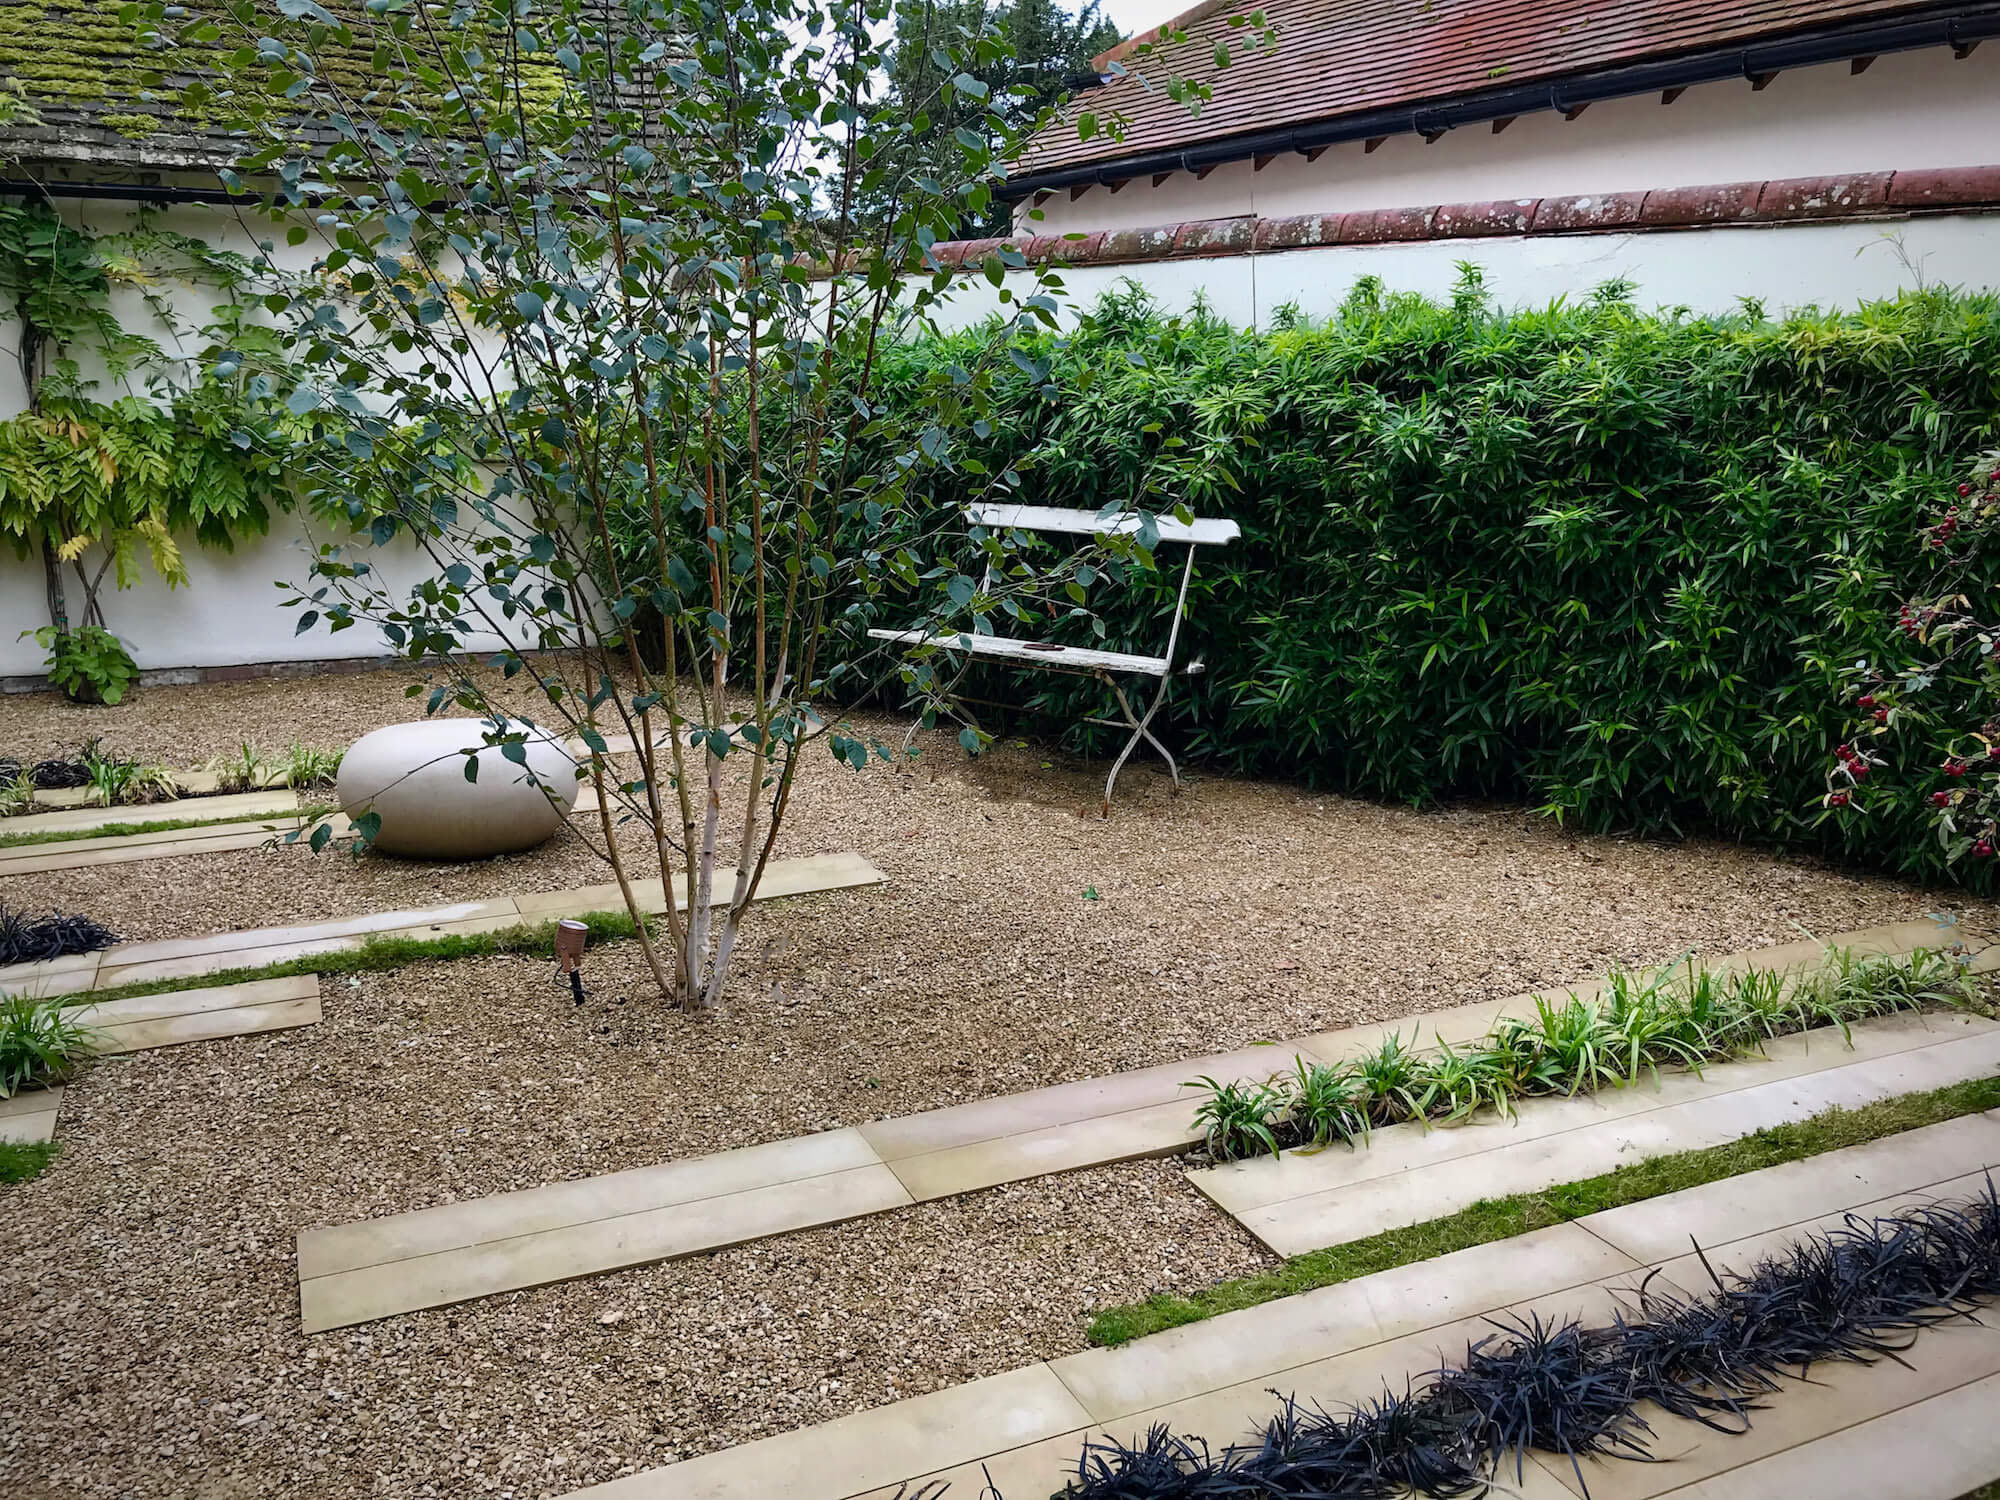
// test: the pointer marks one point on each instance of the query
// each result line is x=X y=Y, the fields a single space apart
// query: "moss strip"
x=282 y=824
x=379 y=953
x=22 y=1160
x=1504 y=1218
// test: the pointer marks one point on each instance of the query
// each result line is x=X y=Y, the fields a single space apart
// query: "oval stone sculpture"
x=413 y=775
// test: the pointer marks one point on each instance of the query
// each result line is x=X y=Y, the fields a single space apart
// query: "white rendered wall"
x=1910 y=109
x=1786 y=266
x=228 y=613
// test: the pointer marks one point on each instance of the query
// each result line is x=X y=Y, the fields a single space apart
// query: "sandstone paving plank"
x=1062 y=1104
x=1353 y=1212
x=1159 y=1131
x=453 y=1226
x=855 y=1453
x=30 y=1116
x=70 y=820
x=1936 y=1449
x=1239 y=1187
x=197 y=965
x=69 y=975
x=1242 y=1346
x=207 y=1025
x=189 y=1002
x=1735 y=1208
x=361 y=1296
x=127 y=954
x=1699 y=1267
x=83 y=854
x=1839 y=1397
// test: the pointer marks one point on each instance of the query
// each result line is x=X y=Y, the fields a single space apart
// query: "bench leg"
x=1141 y=729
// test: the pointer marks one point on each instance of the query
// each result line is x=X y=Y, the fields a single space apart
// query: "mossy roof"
x=80 y=70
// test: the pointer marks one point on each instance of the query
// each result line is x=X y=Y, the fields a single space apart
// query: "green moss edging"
x=22 y=1160
x=379 y=953
x=280 y=823
x=1504 y=1218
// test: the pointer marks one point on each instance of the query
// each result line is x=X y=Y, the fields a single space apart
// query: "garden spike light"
x=571 y=935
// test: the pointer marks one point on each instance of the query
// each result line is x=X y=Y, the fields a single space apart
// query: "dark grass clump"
x=47 y=775
x=26 y=939
x=1858 y=1293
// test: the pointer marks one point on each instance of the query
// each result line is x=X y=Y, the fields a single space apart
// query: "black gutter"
x=1962 y=28
x=126 y=192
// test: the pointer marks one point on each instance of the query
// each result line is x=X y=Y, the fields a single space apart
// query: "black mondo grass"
x=26 y=939
x=1560 y=1387
x=1860 y=1292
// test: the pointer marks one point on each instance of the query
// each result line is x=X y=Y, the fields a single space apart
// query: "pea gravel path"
x=148 y=1313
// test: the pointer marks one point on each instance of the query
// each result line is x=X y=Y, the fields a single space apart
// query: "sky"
x=1135 y=15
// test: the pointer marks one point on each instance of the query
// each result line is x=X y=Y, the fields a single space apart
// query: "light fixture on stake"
x=571 y=935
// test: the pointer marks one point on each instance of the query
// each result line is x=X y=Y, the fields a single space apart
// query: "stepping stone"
x=1344 y=1343
x=30 y=1116
x=202 y=1014
x=240 y=805
x=176 y=958
x=1342 y=1214
x=1100 y=1120
x=1936 y=1449
x=1736 y=1210
x=68 y=975
x=356 y=1273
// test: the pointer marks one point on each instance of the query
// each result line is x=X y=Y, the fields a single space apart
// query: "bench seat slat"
x=1200 y=531
x=1032 y=653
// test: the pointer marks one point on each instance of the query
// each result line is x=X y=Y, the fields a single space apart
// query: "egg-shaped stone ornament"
x=413 y=777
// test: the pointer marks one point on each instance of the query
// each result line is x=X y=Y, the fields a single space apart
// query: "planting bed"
x=1018 y=943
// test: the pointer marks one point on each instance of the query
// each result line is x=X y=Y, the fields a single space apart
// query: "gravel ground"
x=1019 y=942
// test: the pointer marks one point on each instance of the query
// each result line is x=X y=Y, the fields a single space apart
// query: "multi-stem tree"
x=591 y=316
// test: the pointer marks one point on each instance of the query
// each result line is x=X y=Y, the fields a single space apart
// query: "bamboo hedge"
x=1603 y=561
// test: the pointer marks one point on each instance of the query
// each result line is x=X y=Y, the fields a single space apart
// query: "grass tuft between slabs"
x=22 y=1160
x=381 y=953
x=120 y=830
x=1522 y=1213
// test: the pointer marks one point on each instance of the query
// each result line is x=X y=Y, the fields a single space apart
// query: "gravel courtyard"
x=149 y=1304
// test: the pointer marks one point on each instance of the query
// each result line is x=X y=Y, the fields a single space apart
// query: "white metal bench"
x=1106 y=666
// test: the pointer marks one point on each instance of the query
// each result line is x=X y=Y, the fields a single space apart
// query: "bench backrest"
x=1199 y=532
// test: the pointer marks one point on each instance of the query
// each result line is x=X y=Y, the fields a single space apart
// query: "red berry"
x=1881 y=716
x=1858 y=769
x=1954 y=768
x=1993 y=752
x=1964 y=490
x=1866 y=700
x=1984 y=849
x=1846 y=752
x=1941 y=799
x=1836 y=799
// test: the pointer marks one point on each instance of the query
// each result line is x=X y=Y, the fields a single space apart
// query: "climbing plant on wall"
x=99 y=489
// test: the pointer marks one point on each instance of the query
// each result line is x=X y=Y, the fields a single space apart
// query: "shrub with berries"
x=1945 y=691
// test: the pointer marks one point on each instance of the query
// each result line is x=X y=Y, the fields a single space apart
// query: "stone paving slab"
x=832 y=1460
x=180 y=958
x=1247 y=1345
x=85 y=854
x=68 y=975
x=1335 y=1345
x=344 y=1298
x=207 y=1025
x=1353 y=1212
x=1936 y=1449
x=1777 y=1198
x=1243 y=1186
x=30 y=1116
x=455 y=1226
x=1839 y=1397
x=1160 y=1131
x=70 y=820
x=1065 y=1103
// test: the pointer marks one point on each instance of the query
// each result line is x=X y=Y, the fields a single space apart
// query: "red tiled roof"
x=1338 y=57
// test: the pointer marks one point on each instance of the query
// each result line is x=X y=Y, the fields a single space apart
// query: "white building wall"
x=1782 y=266
x=1910 y=109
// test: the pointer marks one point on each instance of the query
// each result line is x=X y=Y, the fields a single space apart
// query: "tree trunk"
x=52 y=574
